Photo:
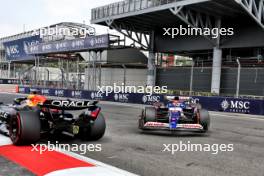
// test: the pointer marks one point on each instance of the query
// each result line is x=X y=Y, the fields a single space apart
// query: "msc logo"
x=45 y=91
x=12 y=50
x=236 y=105
x=59 y=93
x=96 y=95
x=92 y=42
x=149 y=98
x=27 y=45
x=76 y=93
x=121 y=97
x=225 y=105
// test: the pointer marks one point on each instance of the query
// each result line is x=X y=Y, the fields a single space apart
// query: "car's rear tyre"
x=150 y=114
x=95 y=131
x=24 y=127
x=204 y=119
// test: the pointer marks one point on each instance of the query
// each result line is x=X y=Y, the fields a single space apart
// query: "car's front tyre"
x=204 y=119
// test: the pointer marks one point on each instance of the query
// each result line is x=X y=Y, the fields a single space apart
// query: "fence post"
x=46 y=77
x=124 y=78
x=238 y=77
x=191 y=79
x=9 y=70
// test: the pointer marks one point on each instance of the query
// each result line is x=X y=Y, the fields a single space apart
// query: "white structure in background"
x=55 y=32
x=128 y=66
x=50 y=74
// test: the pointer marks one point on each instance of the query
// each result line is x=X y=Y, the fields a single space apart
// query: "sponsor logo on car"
x=66 y=103
x=225 y=105
x=155 y=124
x=190 y=126
x=3 y=114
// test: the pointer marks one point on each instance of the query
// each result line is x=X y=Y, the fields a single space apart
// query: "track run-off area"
x=143 y=153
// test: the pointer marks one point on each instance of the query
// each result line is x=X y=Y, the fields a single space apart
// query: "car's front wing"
x=166 y=126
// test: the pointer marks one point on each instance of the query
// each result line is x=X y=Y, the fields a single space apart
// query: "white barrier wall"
x=9 y=88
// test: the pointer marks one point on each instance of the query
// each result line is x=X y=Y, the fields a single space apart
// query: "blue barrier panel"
x=236 y=105
x=88 y=43
x=20 y=49
x=76 y=94
x=24 y=90
x=223 y=104
x=150 y=99
x=93 y=95
x=47 y=92
x=61 y=93
x=9 y=81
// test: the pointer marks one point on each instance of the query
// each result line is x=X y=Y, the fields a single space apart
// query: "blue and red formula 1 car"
x=178 y=113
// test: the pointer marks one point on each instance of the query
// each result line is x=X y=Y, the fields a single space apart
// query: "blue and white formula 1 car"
x=178 y=113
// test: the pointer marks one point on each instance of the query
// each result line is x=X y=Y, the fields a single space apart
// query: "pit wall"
x=222 y=104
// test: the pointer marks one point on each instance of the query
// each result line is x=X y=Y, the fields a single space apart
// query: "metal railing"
x=127 y=6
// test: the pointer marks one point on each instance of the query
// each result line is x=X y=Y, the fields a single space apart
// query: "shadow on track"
x=175 y=133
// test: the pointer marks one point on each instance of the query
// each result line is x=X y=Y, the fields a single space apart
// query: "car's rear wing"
x=69 y=104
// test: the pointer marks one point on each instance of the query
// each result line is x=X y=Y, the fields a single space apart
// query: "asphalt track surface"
x=126 y=147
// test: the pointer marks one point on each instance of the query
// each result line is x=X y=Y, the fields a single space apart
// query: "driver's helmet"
x=175 y=101
x=34 y=99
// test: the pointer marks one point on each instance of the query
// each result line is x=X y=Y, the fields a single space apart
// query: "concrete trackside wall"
x=178 y=78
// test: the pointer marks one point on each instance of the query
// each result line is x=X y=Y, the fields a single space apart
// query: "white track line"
x=100 y=169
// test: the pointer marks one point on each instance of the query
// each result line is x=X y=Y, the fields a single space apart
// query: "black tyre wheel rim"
x=15 y=128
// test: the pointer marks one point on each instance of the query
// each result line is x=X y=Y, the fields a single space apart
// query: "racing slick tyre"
x=95 y=131
x=24 y=127
x=150 y=114
x=204 y=119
